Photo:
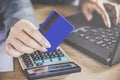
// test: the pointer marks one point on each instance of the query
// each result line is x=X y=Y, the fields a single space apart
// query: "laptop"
x=94 y=39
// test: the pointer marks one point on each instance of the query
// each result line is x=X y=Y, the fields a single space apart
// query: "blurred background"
x=72 y=2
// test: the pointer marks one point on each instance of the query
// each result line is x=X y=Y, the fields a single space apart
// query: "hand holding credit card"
x=55 y=29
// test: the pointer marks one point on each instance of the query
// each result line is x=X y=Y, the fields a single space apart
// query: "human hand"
x=114 y=9
x=101 y=7
x=25 y=38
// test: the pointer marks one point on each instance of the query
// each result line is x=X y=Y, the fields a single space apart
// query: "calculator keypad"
x=38 y=58
x=27 y=60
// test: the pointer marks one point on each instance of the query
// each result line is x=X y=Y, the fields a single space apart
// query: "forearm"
x=16 y=10
x=119 y=15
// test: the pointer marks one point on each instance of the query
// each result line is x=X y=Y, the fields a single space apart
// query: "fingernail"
x=116 y=22
x=107 y=24
x=44 y=49
x=47 y=45
x=89 y=18
x=109 y=27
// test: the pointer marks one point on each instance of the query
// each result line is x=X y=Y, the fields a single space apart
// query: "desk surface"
x=91 y=69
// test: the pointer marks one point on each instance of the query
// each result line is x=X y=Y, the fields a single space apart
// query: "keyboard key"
x=109 y=30
x=112 y=37
x=99 y=42
x=106 y=39
x=98 y=38
x=109 y=43
x=87 y=37
x=117 y=33
x=110 y=34
x=107 y=47
x=81 y=35
x=114 y=41
x=94 y=30
x=84 y=29
x=102 y=37
x=92 y=40
x=103 y=45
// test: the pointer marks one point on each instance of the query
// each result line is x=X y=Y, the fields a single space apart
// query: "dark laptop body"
x=108 y=57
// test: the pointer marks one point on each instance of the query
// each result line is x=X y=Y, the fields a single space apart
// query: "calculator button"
x=29 y=65
x=60 y=55
x=27 y=60
x=58 y=51
x=55 y=59
x=36 y=59
x=43 y=55
x=46 y=60
x=38 y=62
x=64 y=58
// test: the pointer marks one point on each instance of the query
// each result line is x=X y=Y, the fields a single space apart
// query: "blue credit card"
x=55 y=29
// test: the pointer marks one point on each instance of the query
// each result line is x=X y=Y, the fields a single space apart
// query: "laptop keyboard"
x=103 y=37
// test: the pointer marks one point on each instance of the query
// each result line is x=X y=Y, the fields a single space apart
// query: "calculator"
x=47 y=64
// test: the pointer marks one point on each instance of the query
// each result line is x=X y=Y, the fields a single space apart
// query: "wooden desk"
x=91 y=69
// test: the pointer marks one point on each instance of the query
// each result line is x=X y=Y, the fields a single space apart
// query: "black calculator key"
x=36 y=59
x=29 y=64
x=58 y=51
x=51 y=55
x=25 y=56
x=43 y=55
x=54 y=57
x=34 y=56
x=60 y=55
x=27 y=60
